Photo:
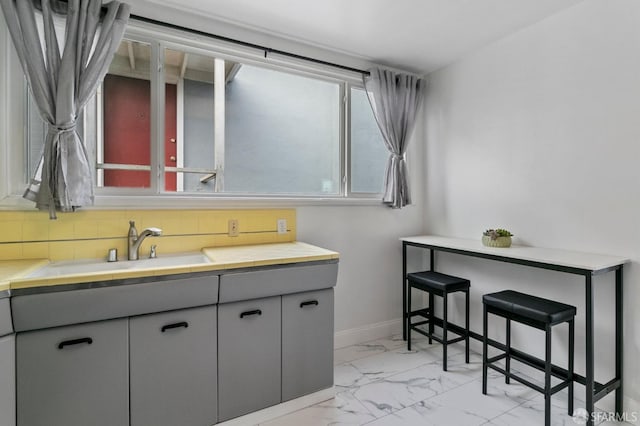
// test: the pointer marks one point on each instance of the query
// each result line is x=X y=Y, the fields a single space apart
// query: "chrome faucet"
x=135 y=240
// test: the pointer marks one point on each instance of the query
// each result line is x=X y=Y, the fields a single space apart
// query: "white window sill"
x=107 y=202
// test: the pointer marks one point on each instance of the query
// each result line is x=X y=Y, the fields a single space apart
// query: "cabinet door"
x=173 y=368
x=74 y=376
x=307 y=343
x=7 y=381
x=6 y=326
x=249 y=356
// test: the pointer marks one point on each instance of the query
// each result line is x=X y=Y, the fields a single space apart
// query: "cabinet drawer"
x=307 y=343
x=174 y=368
x=74 y=376
x=249 y=356
x=6 y=326
x=277 y=281
x=31 y=312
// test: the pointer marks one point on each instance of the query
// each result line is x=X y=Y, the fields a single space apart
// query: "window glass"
x=282 y=133
x=198 y=137
x=368 y=153
x=124 y=153
x=189 y=147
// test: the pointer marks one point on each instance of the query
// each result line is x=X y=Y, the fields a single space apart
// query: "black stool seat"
x=435 y=281
x=438 y=284
x=535 y=308
x=539 y=313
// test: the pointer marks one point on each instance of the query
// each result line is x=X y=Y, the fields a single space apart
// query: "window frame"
x=160 y=38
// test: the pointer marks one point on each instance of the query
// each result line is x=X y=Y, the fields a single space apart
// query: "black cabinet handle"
x=309 y=302
x=176 y=325
x=248 y=313
x=87 y=340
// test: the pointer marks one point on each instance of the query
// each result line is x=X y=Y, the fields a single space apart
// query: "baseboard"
x=282 y=409
x=354 y=336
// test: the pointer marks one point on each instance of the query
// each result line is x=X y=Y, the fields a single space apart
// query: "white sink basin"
x=71 y=267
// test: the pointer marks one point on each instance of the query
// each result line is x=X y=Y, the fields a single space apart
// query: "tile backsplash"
x=90 y=234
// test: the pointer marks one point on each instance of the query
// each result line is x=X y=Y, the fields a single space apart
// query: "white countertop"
x=566 y=258
x=15 y=274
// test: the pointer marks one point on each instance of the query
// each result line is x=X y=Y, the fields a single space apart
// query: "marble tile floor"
x=380 y=383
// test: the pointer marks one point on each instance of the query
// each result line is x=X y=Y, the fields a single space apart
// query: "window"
x=368 y=152
x=216 y=121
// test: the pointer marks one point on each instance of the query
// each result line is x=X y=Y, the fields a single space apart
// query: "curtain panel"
x=61 y=84
x=395 y=99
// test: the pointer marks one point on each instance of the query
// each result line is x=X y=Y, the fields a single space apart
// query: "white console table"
x=571 y=262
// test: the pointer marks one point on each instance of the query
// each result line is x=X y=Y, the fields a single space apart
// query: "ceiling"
x=415 y=35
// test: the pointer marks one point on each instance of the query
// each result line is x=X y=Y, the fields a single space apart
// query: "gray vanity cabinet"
x=249 y=356
x=74 y=375
x=173 y=379
x=7 y=366
x=7 y=381
x=190 y=350
x=307 y=343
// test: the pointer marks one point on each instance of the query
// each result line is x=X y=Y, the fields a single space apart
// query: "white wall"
x=540 y=133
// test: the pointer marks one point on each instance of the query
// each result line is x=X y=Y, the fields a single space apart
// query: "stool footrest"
x=602 y=390
x=435 y=337
x=559 y=386
x=450 y=341
x=496 y=358
x=538 y=364
x=460 y=331
x=531 y=361
x=516 y=378
x=526 y=382
x=424 y=312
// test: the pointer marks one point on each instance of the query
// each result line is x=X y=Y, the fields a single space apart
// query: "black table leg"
x=589 y=375
x=619 y=343
x=404 y=291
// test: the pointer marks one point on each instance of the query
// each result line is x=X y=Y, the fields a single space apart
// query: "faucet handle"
x=112 y=256
x=153 y=252
x=133 y=232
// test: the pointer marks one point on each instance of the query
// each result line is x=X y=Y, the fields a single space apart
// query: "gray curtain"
x=395 y=99
x=62 y=84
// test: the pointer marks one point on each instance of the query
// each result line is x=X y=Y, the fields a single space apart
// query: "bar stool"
x=538 y=313
x=441 y=285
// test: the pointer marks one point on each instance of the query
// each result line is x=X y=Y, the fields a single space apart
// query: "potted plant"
x=497 y=238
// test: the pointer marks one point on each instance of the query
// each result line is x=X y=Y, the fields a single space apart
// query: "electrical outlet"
x=233 y=228
x=282 y=226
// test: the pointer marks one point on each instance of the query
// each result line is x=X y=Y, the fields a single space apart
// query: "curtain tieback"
x=397 y=156
x=55 y=131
